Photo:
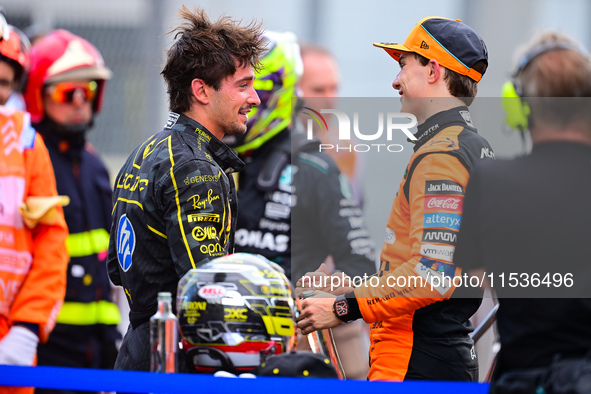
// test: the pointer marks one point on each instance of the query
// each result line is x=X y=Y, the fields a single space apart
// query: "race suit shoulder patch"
x=125 y=243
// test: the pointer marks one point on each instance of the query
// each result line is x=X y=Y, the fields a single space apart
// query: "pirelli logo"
x=203 y=217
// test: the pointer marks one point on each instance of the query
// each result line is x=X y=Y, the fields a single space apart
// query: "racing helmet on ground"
x=62 y=57
x=275 y=83
x=234 y=311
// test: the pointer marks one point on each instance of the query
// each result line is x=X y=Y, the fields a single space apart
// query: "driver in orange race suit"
x=417 y=332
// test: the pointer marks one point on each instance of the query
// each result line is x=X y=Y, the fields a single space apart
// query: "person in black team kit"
x=296 y=207
x=293 y=196
x=530 y=217
x=174 y=199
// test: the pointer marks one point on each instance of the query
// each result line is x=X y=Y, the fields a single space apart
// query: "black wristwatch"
x=346 y=308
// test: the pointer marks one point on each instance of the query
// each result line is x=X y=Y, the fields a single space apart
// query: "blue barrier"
x=146 y=382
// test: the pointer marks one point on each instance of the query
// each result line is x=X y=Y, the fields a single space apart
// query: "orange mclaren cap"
x=453 y=44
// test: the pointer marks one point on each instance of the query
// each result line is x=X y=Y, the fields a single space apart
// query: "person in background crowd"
x=33 y=232
x=174 y=200
x=417 y=332
x=64 y=93
x=508 y=229
x=14 y=64
x=36 y=32
x=319 y=87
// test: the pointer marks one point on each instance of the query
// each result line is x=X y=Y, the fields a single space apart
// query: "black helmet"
x=234 y=310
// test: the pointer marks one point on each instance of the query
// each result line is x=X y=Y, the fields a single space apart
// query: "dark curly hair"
x=210 y=51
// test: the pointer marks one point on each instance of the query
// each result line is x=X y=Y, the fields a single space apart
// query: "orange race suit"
x=417 y=332
x=33 y=256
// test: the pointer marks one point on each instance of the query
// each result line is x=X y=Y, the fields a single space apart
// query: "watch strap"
x=346 y=307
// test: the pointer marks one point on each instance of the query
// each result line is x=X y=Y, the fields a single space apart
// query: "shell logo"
x=212 y=291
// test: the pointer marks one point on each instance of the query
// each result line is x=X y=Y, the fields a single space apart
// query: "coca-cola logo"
x=447 y=203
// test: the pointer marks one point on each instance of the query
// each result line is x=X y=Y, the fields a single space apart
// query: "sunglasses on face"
x=66 y=92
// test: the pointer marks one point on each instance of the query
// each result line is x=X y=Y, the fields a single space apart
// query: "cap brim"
x=394 y=50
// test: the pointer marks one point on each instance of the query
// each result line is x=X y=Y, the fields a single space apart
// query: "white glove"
x=224 y=374
x=18 y=347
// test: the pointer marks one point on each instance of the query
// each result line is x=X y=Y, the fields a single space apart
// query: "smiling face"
x=411 y=81
x=231 y=104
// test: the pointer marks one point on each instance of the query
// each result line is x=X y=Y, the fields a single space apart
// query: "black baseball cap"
x=302 y=364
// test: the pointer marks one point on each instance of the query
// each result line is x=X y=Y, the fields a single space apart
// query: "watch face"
x=341 y=308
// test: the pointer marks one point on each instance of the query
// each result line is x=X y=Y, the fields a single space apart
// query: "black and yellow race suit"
x=174 y=208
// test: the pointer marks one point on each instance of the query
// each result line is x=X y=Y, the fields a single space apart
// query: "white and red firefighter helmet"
x=62 y=57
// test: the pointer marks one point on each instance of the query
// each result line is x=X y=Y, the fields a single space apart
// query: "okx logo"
x=125 y=242
x=389 y=124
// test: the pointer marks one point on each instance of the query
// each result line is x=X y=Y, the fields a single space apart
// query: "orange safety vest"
x=33 y=261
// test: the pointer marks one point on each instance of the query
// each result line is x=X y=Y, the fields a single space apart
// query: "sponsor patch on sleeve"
x=438 y=275
x=390 y=236
x=444 y=203
x=443 y=187
x=440 y=236
x=439 y=252
x=125 y=243
x=441 y=219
